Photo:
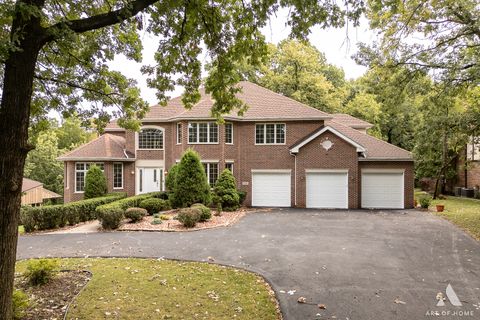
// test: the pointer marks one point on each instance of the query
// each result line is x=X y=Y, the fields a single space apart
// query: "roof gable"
x=105 y=147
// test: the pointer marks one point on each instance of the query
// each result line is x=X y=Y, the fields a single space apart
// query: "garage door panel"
x=271 y=189
x=327 y=190
x=382 y=190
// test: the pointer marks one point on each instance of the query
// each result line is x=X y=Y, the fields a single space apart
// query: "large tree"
x=55 y=54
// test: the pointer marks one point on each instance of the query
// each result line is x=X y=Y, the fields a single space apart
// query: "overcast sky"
x=338 y=49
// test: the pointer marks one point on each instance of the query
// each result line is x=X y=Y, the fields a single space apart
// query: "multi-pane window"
x=211 y=169
x=118 y=175
x=81 y=169
x=229 y=133
x=270 y=133
x=179 y=133
x=229 y=166
x=202 y=132
x=150 y=138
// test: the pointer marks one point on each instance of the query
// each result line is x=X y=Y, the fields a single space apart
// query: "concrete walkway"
x=87 y=227
x=359 y=264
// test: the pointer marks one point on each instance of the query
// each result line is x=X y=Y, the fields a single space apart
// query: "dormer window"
x=150 y=138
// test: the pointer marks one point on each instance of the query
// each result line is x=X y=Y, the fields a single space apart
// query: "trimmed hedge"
x=205 y=212
x=135 y=214
x=155 y=205
x=111 y=212
x=189 y=217
x=51 y=217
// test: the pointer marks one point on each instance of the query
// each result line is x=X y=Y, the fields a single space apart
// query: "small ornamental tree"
x=171 y=176
x=191 y=185
x=95 y=183
x=226 y=191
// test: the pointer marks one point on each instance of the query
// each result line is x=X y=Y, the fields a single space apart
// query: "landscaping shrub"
x=205 y=213
x=161 y=195
x=135 y=214
x=154 y=205
x=49 y=217
x=164 y=217
x=425 y=201
x=226 y=191
x=242 y=196
x=112 y=218
x=40 y=271
x=95 y=183
x=191 y=184
x=170 y=179
x=156 y=221
x=189 y=217
x=20 y=304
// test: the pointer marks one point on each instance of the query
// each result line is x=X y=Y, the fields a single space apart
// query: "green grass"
x=463 y=212
x=161 y=289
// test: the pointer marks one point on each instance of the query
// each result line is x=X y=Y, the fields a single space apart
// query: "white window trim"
x=230 y=162
x=198 y=132
x=85 y=171
x=265 y=134
x=150 y=127
x=113 y=175
x=67 y=186
x=225 y=132
x=208 y=171
x=179 y=125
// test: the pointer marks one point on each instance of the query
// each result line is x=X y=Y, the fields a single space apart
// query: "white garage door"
x=382 y=190
x=271 y=189
x=327 y=190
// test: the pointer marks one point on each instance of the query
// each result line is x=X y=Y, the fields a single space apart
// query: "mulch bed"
x=51 y=300
x=224 y=220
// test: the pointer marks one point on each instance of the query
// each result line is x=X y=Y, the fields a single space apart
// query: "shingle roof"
x=28 y=184
x=105 y=147
x=351 y=121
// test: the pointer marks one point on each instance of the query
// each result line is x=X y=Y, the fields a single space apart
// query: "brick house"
x=282 y=152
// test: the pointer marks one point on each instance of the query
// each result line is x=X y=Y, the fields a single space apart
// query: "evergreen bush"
x=95 y=183
x=226 y=191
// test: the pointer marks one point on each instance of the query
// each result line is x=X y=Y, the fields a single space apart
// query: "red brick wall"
x=408 y=176
x=342 y=155
x=128 y=180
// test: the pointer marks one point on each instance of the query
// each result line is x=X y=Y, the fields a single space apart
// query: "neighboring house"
x=282 y=152
x=468 y=176
x=34 y=194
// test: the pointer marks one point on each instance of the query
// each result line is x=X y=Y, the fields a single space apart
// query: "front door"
x=150 y=180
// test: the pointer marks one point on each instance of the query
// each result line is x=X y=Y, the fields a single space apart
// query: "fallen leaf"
x=398 y=301
x=322 y=306
x=302 y=300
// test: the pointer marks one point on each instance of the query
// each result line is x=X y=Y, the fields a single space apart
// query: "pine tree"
x=226 y=191
x=95 y=183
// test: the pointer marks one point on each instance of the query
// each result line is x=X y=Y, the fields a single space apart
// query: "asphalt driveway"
x=359 y=264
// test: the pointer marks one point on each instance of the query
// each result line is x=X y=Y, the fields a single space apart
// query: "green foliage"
x=189 y=217
x=156 y=221
x=40 y=271
x=191 y=184
x=95 y=183
x=154 y=205
x=425 y=201
x=135 y=214
x=112 y=219
x=20 y=303
x=50 y=217
x=170 y=179
x=164 y=217
x=226 y=191
x=242 y=195
x=205 y=212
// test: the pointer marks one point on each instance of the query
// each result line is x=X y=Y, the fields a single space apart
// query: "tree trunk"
x=14 y=121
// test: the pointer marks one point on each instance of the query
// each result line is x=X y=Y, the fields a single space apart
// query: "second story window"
x=229 y=133
x=270 y=133
x=202 y=132
x=150 y=138
x=179 y=133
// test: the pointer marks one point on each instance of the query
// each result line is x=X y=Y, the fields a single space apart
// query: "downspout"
x=295 y=178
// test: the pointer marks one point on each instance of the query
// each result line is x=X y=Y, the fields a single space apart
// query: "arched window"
x=150 y=138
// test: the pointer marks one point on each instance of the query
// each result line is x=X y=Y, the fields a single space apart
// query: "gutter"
x=295 y=178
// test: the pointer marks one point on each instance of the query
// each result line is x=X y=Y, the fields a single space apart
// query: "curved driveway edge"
x=359 y=264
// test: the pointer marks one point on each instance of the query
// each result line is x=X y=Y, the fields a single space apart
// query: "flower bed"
x=226 y=219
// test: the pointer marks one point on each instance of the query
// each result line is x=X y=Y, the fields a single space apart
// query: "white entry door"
x=327 y=190
x=271 y=189
x=150 y=180
x=382 y=189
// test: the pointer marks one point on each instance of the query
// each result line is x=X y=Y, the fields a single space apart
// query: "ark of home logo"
x=445 y=302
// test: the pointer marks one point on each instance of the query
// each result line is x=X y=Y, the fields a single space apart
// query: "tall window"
x=270 y=133
x=229 y=166
x=81 y=169
x=229 y=133
x=150 y=138
x=118 y=175
x=179 y=133
x=202 y=132
x=211 y=169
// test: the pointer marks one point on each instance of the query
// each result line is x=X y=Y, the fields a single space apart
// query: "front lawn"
x=464 y=212
x=161 y=289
